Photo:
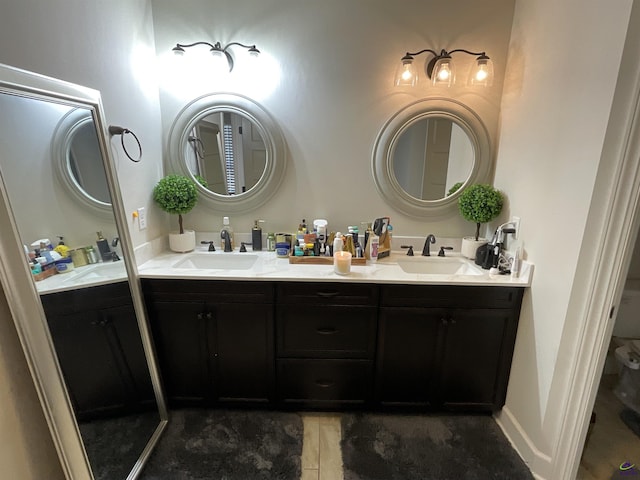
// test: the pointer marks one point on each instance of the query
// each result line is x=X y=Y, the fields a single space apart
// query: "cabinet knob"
x=209 y=315
x=444 y=321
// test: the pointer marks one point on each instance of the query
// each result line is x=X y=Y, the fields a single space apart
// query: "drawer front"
x=450 y=296
x=326 y=332
x=325 y=382
x=94 y=298
x=208 y=290
x=327 y=293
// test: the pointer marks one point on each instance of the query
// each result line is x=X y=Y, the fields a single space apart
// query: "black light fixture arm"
x=217 y=47
x=180 y=46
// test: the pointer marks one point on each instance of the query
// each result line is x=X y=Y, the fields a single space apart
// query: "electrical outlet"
x=142 y=218
x=516 y=224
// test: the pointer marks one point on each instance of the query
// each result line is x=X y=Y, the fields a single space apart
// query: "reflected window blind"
x=230 y=172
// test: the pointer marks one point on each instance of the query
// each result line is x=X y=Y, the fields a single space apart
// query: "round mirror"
x=234 y=145
x=78 y=159
x=424 y=150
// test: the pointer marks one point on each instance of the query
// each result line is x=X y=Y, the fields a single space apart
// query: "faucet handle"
x=442 y=249
x=210 y=242
x=243 y=247
x=410 y=251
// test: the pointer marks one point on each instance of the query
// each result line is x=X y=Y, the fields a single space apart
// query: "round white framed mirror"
x=425 y=149
x=234 y=145
x=78 y=160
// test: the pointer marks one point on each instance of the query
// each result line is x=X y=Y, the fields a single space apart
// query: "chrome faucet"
x=226 y=240
x=425 y=250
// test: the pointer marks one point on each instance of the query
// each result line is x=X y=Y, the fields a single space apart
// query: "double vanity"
x=250 y=329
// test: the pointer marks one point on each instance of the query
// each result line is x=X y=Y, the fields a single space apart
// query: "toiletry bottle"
x=338 y=243
x=103 y=247
x=256 y=236
x=227 y=226
x=271 y=242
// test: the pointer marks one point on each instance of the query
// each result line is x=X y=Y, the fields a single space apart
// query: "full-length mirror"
x=234 y=145
x=74 y=294
x=424 y=150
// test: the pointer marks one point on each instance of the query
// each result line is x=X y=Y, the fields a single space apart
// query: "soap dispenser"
x=256 y=235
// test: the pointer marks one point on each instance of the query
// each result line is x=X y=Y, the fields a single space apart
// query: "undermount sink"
x=98 y=272
x=219 y=261
x=438 y=266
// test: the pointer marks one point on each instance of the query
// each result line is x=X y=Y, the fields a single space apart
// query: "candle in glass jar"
x=342 y=262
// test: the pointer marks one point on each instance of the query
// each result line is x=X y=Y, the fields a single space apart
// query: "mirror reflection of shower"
x=228 y=152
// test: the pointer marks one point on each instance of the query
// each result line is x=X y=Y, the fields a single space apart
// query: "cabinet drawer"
x=450 y=296
x=325 y=382
x=327 y=293
x=208 y=290
x=326 y=332
x=95 y=298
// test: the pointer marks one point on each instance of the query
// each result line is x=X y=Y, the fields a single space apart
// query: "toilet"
x=626 y=338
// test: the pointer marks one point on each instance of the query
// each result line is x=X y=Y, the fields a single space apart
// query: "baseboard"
x=539 y=463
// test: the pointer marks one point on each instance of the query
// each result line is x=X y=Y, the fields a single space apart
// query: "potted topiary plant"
x=177 y=194
x=480 y=204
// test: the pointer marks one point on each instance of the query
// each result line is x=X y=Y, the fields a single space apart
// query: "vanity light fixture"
x=441 y=70
x=217 y=50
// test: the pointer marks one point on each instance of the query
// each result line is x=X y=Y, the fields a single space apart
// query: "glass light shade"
x=482 y=73
x=443 y=72
x=406 y=74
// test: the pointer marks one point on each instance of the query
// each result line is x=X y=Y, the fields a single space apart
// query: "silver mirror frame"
x=384 y=146
x=24 y=300
x=60 y=147
x=276 y=160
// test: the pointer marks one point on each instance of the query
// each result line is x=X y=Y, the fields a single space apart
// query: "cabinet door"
x=474 y=360
x=407 y=355
x=92 y=350
x=242 y=346
x=180 y=331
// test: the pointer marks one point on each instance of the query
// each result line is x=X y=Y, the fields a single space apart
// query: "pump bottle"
x=256 y=236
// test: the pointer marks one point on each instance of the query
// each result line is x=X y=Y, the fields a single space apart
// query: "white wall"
x=331 y=92
x=562 y=71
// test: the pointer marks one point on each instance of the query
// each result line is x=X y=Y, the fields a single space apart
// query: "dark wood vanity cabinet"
x=98 y=346
x=214 y=340
x=330 y=345
x=445 y=347
x=325 y=343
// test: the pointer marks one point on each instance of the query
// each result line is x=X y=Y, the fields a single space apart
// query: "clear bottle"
x=227 y=226
x=271 y=242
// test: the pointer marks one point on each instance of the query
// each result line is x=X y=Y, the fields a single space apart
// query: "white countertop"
x=269 y=267
x=81 y=277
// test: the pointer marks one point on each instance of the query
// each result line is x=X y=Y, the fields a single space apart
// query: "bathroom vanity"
x=291 y=336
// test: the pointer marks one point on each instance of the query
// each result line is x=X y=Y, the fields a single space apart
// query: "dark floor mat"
x=427 y=447
x=228 y=445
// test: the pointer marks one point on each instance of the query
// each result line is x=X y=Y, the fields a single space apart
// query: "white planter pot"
x=184 y=242
x=470 y=245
